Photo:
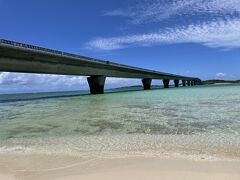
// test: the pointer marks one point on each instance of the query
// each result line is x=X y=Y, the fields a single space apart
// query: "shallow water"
x=187 y=121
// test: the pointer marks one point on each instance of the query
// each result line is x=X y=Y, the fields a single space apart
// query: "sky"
x=199 y=38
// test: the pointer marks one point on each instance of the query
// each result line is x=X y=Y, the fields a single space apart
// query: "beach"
x=71 y=168
x=179 y=133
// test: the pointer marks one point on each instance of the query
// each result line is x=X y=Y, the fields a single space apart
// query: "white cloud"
x=222 y=33
x=213 y=23
x=116 y=12
x=158 y=10
x=121 y=82
x=7 y=78
x=221 y=75
x=225 y=76
x=22 y=82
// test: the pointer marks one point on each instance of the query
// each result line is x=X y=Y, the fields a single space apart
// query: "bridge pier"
x=147 y=83
x=183 y=83
x=192 y=83
x=198 y=82
x=176 y=82
x=96 y=84
x=188 y=83
x=166 y=83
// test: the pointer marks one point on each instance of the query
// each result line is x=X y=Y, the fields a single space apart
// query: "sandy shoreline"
x=65 y=167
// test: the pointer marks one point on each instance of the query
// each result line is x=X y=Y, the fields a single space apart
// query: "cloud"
x=39 y=79
x=23 y=82
x=121 y=82
x=225 y=76
x=221 y=75
x=213 y=23
x=222 y=34
x=158 y=10
x=116 y=12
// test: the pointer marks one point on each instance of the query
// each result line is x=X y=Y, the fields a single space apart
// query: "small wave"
x=5 y=149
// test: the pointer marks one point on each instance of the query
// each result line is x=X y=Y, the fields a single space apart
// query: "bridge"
x=25 y=58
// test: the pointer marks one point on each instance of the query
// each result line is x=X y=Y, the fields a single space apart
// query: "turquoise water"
x=191 y=121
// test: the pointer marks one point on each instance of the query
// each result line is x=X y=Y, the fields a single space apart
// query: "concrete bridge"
x=19 y=57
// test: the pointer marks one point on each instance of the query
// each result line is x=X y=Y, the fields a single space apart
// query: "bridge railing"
x=32 y=47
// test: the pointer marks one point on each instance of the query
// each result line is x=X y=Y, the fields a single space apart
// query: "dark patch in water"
x=174 y=127
x=194 y=126
x=21 y=130
x=137 y=107
x=81 y=131
x=17 y=105
x=52 y=126
x=11 y=115
x=24 y=130
x=103 y=125
x=202 y=125
x=85 y=132
x=161 y=129
x=213 y=103
x=185 y=117
x=170 y=114
x=38 y=98
x=167 y=108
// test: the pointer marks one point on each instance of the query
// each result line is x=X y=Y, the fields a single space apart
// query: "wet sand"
x=38 y=167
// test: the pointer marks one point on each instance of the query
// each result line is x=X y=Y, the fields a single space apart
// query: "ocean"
x=201 y=122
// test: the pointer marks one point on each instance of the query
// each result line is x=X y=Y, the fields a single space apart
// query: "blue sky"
x=189 y=37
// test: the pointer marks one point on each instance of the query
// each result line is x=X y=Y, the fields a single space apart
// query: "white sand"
x=71 y=168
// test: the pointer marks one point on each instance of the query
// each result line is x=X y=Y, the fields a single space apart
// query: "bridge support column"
x=166 y=83
x=183 y=83
x=198 y=82
x=189 y=83
x=192 y=83
x=147 y=83
x=176 y=82
x=96 y=84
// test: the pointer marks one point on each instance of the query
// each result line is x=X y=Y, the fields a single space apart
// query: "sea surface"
x=194 y=122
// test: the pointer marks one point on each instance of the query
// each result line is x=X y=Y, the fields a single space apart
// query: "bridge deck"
x=19 y=57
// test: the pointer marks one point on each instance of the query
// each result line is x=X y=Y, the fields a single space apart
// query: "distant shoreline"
x=207 y=82
x=134 y=87
x=218 y=81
